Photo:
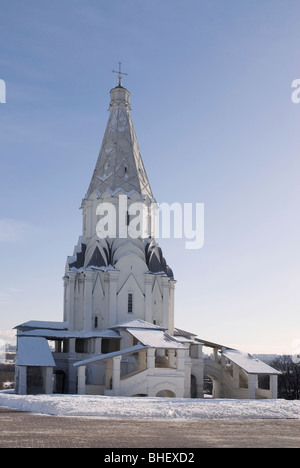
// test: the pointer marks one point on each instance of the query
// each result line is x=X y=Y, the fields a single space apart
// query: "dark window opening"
x=109 y=345
x=81 y=345
x=130 y=303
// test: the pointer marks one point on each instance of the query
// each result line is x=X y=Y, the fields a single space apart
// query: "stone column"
x=198 y=372
x=49 y=380
x=108 y=373
x=150 y=358
x=180 y=359
x=97 y=345
x=273 y=386
x=22 y=380
x=81 y=379
x=71 y=346
x=171 y=357
x=142 y=359
x=236 y=375
x=252 y=378
x=187 y=375
x=72 y=372
x=116 y=374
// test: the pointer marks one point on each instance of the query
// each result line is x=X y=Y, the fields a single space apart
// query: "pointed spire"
x=120 y=164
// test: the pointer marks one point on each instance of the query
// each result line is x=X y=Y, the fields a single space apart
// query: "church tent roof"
x=120 y=165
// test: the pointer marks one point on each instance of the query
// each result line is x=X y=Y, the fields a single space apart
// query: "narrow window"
x=96 y=322
x=130 y=298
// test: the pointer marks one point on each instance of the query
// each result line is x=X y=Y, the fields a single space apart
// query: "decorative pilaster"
x=171 y=306
x=70 y=305
x=88 y=300
x=112 y=304
x=165 y=286
x=148 y=297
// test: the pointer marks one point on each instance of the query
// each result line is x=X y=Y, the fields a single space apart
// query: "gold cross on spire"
x=120 y=73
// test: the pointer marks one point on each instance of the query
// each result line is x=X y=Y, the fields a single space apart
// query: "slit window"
x=130 y=303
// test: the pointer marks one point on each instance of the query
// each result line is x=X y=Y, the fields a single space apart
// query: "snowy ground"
x=167 y=408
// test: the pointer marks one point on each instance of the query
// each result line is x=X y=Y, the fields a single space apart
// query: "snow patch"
x=156 y=408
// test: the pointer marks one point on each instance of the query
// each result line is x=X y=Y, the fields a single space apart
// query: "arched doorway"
x=208 y=386
x=193 y=386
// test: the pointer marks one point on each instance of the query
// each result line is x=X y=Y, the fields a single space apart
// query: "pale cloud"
x=8 y=336
x=12 y=231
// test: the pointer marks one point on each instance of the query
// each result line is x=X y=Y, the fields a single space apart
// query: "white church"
x=118 y=335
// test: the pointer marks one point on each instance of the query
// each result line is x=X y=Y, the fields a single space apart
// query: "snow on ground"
x=167 y=408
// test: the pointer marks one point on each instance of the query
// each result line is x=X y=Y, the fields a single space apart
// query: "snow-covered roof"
x=211 y=344
x=42 y=324
x=186 y=334
x=184 y=339
x=247 y=362
x=34 y=352
x=138 y=323
x=56 y=334
x=155 y=338
x=103 y=357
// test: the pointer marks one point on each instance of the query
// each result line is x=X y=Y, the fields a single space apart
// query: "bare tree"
x=289 y=380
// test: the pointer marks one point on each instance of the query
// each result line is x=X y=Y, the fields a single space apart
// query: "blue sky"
x=210 y=86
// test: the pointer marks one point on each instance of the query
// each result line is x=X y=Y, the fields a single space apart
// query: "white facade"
x=118 y=336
